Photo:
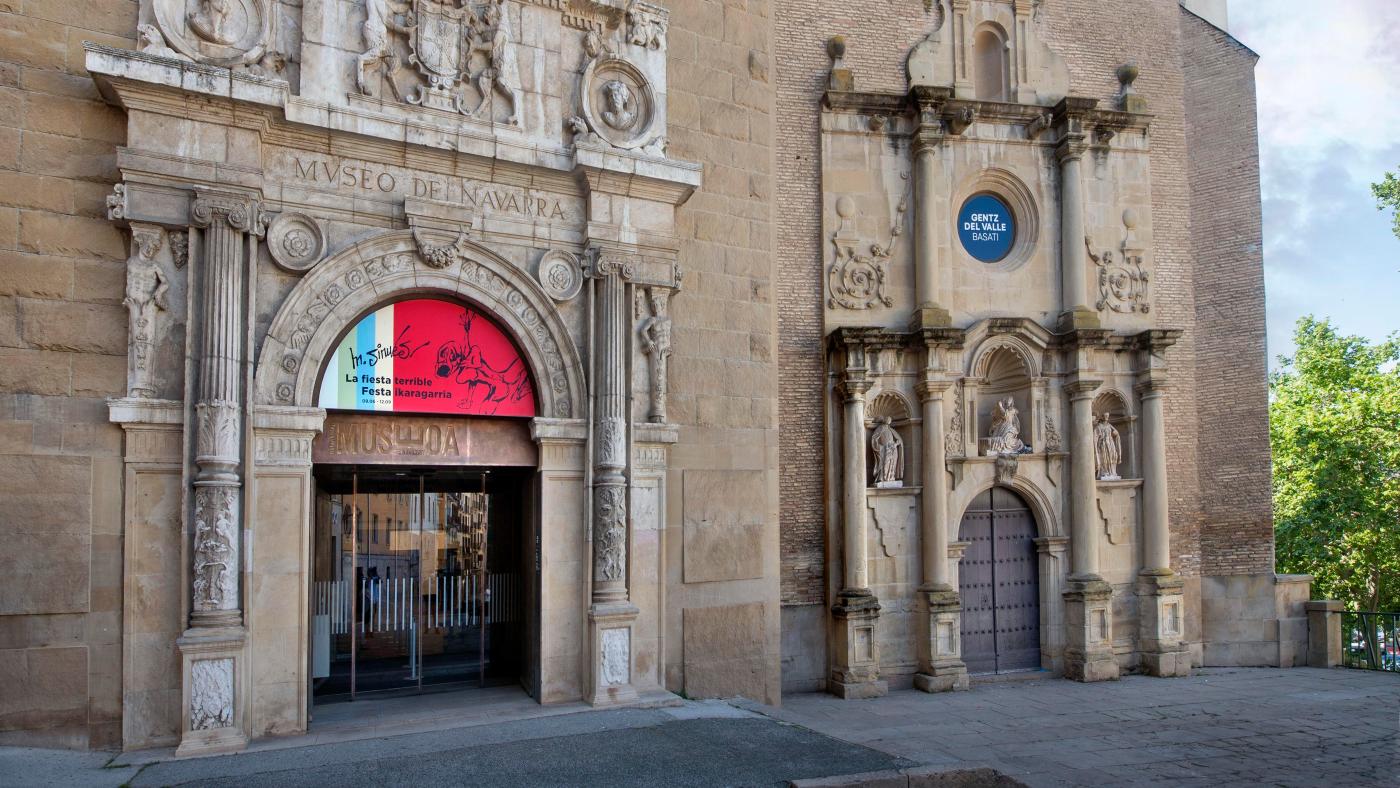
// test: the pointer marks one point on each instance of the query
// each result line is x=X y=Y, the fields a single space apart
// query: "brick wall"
x=63 y=349
x=1231 y=360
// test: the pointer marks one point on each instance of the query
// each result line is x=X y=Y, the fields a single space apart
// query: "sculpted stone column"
x=212 y=648
x=856 y=663
x=1075 y=311
x=1088 y=599
x=1160 y=591
x=940 y=655
x=927 y=139
x=611 y=615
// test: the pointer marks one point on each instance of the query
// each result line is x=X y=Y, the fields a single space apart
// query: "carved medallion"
x=560 y=275
x=296 y=242
x=217 y=32
x=857 y=281
x=619 y=104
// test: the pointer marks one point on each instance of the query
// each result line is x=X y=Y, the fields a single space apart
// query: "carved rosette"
x=211 y=694
x=296 y=242
x=560 y=275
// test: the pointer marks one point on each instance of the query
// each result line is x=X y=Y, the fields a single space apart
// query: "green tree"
x=1334 y=423
x=1388 y=195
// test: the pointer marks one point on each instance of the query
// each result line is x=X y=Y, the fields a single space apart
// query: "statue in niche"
x=1108 y=449
x=381 y=16
x=1005 y=437
x=503 y=72
x=621 y=112
x=656 y=344
x=889 y=454
x=146 y=288
x=213 y=22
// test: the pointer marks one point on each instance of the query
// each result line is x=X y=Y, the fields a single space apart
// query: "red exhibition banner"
x=428 y=356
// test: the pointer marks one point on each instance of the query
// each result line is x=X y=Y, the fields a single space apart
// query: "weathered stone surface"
x=720 y=657
x=723 y=525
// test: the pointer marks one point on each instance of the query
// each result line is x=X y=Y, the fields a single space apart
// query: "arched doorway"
x=999 y=583
x=422 y=573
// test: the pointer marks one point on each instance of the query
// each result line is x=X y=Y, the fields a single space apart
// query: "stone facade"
x=723 y=244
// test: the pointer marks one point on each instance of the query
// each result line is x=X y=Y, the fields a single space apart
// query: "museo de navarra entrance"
x=422 y=542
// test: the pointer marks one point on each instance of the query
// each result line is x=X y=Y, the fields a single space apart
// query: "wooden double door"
x=999 y=581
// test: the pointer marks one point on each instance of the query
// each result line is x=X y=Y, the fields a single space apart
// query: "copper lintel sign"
x=352 y=439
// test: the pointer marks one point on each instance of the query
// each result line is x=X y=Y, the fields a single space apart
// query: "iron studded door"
x=976 y=586
x=1000 y=585
x=1016 y=569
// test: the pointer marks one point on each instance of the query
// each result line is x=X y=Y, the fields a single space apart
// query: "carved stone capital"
x=604 y=263
x=1080 y=388
x=1070 y=117
x=243 y=213
x=932 y=389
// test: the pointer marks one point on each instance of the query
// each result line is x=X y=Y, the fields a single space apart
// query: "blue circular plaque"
x=987 y=228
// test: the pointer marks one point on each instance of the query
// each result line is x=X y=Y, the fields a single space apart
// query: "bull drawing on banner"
x=487 y=387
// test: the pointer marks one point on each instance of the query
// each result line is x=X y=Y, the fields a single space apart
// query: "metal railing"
x=1371 y=641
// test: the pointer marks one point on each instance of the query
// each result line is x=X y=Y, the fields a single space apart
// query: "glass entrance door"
x=407 y=592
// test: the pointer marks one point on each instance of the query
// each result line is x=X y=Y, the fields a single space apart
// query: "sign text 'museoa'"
x=365 y=177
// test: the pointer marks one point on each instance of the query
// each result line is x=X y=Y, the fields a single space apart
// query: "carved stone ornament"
x=116 y=203
x=646 y=25
x=296 y=241
x=1006 y=467
x=953 y=442
x=616 y=652
x=146 y=290
x=655 y=342
x=216 y=32
x=211 y=694
x=180 y=248
x=152 y=42
x=560 y=275
x=1053 y=442
x=215 y=535
x=857 y=280
x=619 y=104
x=610 y=529
x=1122 y=282
x=442 y=256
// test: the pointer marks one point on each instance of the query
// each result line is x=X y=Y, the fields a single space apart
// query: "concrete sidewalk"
x=1220 y=727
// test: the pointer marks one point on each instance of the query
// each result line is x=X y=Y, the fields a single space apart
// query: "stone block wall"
x=63 y=348
x=724 y=387
x=1237 y=533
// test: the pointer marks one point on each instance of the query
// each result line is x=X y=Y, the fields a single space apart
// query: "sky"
x=1329 y=126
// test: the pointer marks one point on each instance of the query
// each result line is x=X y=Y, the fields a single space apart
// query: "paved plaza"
x=1219 y=727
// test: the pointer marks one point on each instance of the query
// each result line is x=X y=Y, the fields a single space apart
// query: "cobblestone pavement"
x=1249 y=726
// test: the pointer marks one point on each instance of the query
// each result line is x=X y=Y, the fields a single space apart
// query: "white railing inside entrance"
x=388 y=604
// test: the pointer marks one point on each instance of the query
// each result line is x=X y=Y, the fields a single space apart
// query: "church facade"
x=609 y=349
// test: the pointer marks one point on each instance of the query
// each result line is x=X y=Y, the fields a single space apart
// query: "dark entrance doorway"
x=999 y=581
x=421 y=580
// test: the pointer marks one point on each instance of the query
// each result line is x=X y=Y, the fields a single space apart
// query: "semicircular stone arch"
x=387 y=267
x=1047 y=522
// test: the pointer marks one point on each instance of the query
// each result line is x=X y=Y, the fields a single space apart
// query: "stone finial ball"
x=836 y=47
x=1130 y=218
x=845 y=206
x=1128 y=73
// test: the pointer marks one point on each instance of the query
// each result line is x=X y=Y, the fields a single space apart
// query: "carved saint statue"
x=214 y=22
x=503 y=73
x=146 y=287
x=656 y=344
x=889 y=454
x=1108 y=449
x=621 y=111
x=1005 y=437
x=381 y=16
